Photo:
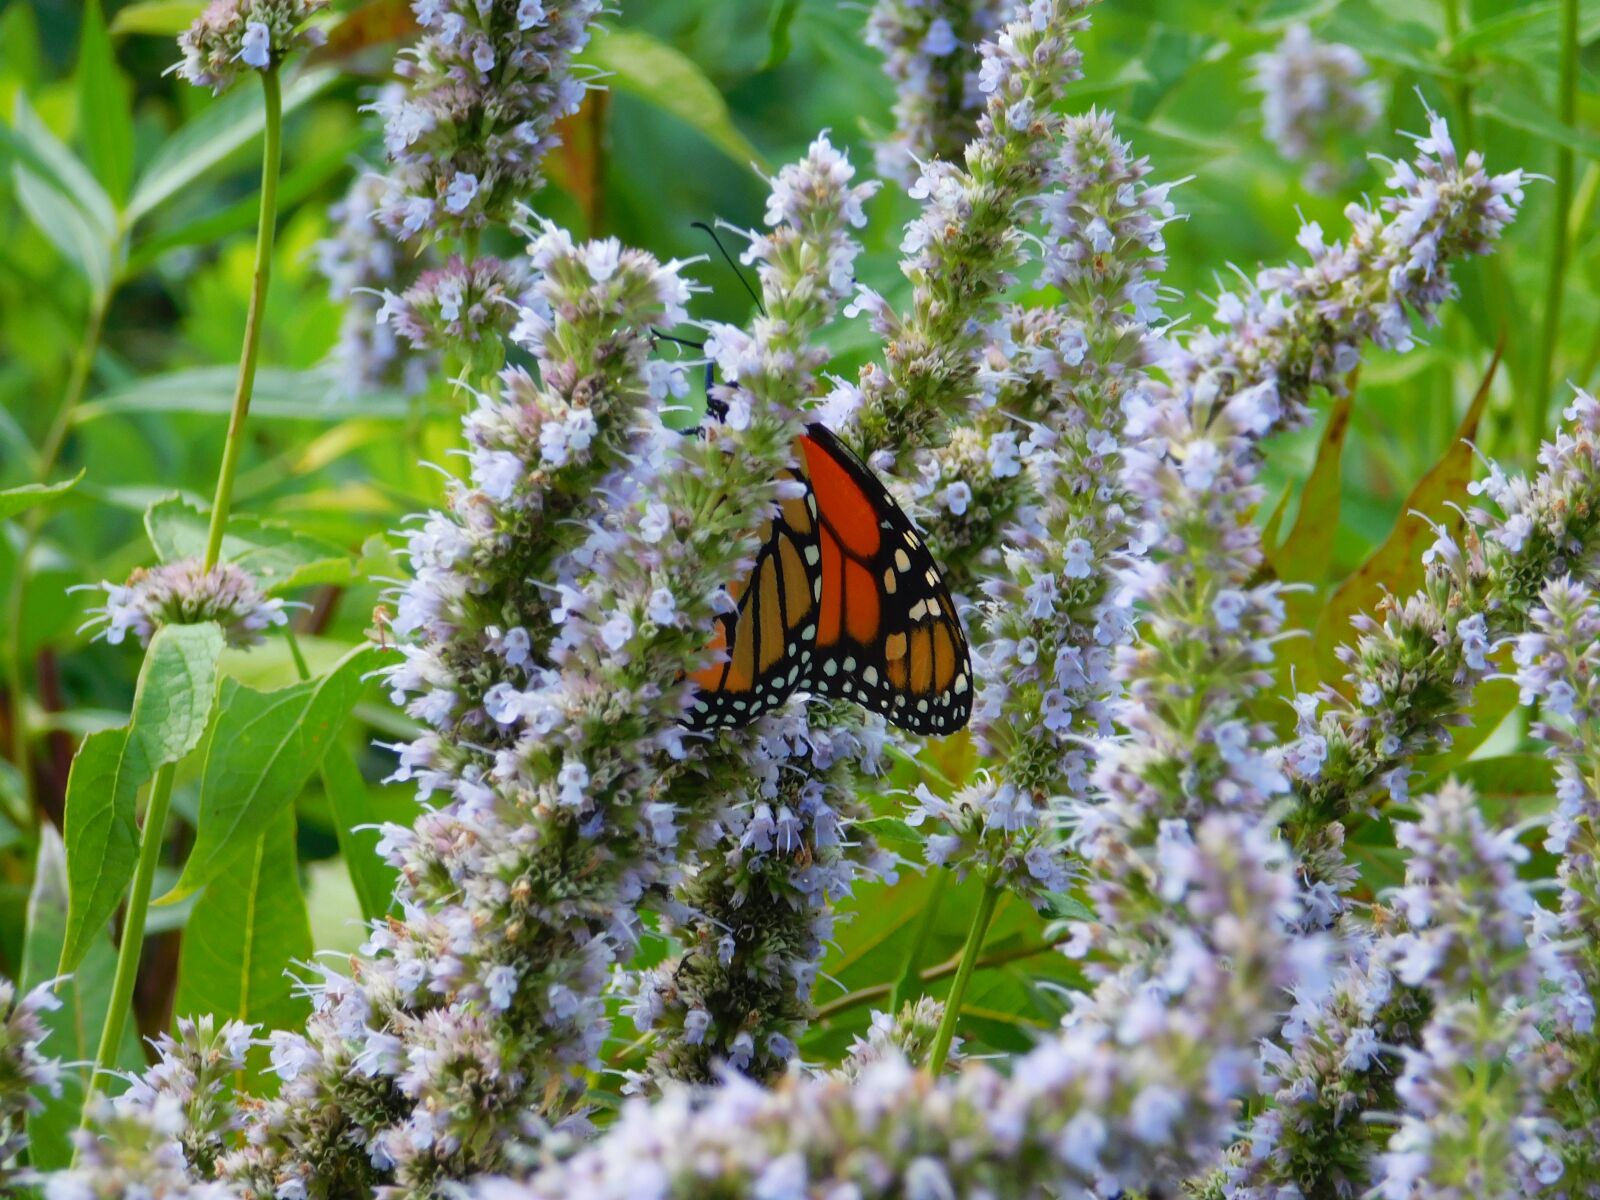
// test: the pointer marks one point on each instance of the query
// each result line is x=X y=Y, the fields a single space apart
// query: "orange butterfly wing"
x=888 y=636
x=843 y=600
x=767 y=639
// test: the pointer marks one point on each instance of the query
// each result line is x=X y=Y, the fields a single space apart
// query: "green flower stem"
x=969 y=960
x=33 y=526
x=155 y=821
x=271 y=160
x=153 y=834
x=1550 y=335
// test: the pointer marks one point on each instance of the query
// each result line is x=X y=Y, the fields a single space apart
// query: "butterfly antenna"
x=728 y=258
x=677 y=341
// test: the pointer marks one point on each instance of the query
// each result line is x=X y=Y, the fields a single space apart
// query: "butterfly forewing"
x=888 y=636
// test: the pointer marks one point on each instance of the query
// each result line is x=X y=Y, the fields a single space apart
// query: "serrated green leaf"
x=105 y=108
x=74 y=1028
x=1395 y=567
x=276 y=555
x=164 y=18
x=661 y=75
x=890 y=829
x=258 y=754
x=232 y=122
x=242 y=937
x=20 y=499
x=171 y=706
x=279 y=395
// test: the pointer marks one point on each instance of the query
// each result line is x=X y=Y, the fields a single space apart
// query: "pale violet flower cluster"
x=930 y=50
x=25 y=1069
x=1130 y=1095
x=484 y=86
x=1055 y=382
x=163 y=1136
x=1558 y=667
x=184 y=593
x=969 y=229
x=907 y=1036
x=460 y=310
x=233 y=35
x=1472 y=1122
x=1315 y=98
x=1415 y=665
x=361 y=262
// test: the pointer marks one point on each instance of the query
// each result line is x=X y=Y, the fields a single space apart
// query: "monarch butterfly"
x=843 y=600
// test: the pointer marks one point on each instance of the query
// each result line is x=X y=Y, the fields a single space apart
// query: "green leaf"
x=74 y=1028
x=1520 y=110
x=29 y=495
x=67 y=226
x=1304 y=555
x=245 y=932
x=164 y=18
x=1503 y=777
x=354 y=813
x=890 y=829
x=1395 y=567
x=258 y=754
x=232 y=122
x=46 y=156
x=779 y=20
x=279 y=395
x=661 y=75
x=171 y=706
x=275 y=554
x=105 y=106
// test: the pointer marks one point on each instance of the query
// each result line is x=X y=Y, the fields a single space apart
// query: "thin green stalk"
x=1550 y=335
x=33 y=526
x=969 y=960
x=150 y=841
x=153 y=834
x=271 y=159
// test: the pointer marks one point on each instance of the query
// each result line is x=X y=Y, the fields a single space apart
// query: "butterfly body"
x=844 y=600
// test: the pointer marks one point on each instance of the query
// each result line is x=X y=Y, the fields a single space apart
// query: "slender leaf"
x=74 y=1028
x=105 y=106
x=67 y=226
x=1520 y=110
x=275 y=554
x=46 y=156
x=29 y=495
x=165 y=18
x=779 y=39
x=171 y=706
x=354 y=814
x=661 y=75
x=230 y=123
x=258 y=754
x=279 y=395
x=1395 y=567
x=245 y=932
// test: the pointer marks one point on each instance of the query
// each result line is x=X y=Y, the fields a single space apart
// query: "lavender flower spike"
x=258 y=34
x=1313 y=95
x=24 y=1068
x=931 y=52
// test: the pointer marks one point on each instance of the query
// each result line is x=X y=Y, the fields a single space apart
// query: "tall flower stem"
x=1567 y=109
x=153 y=834
x=271 y=157
x=49 y=453
x=155 y=820
x=969 y=961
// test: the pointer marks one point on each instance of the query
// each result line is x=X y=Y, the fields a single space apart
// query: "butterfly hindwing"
x=888 y=636
x=767 y=640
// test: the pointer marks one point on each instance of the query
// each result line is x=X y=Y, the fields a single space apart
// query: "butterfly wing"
x=888 y=636
x=768 y=638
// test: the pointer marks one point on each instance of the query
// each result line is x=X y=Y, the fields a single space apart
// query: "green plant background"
x=701 y=89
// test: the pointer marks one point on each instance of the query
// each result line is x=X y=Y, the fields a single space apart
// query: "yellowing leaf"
x=1396 y=566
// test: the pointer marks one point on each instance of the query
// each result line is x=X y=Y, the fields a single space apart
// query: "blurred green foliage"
x=701 y=89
